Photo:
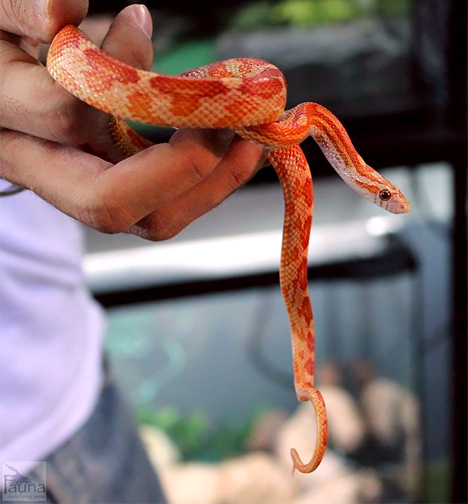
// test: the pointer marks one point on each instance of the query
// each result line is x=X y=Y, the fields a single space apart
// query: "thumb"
x=40 y=19
x=129 y=37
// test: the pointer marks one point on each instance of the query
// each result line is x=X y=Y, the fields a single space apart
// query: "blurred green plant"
x=194 y=436
x=253 y=15
x=314 y=12
x=187 y=432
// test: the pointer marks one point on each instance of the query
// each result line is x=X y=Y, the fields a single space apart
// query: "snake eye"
x=385 y=194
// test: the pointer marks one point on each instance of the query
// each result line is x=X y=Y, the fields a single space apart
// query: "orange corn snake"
x=248 y=96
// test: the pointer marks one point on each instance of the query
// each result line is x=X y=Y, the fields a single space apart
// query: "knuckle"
x=13 y=11
x=162 y=231
x=198 y=171
x=239 y=175
x=7 y=171
x=40 y=23
x=21 y=19
x=10 y=157
x=73 y=123
x=101 y=216
x=159 y=227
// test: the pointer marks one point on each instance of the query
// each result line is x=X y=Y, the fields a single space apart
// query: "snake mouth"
x=406 y=207
x=403 y=207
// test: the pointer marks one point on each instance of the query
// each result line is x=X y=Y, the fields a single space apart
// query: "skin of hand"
x=154 y=194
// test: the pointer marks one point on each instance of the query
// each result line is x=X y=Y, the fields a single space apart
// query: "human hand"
x=154 y=194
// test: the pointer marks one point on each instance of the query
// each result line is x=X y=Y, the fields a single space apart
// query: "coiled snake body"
x=248 y=96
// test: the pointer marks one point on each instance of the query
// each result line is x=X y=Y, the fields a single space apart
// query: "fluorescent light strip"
x=224 y=257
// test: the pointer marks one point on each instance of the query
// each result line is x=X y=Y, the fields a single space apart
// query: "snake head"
x=380 y=191
x=390 y=198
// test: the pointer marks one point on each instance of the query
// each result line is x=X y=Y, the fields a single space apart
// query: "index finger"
x=40 y=19
x=109 y=197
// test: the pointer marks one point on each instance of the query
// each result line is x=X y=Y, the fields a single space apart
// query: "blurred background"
x=198 y=335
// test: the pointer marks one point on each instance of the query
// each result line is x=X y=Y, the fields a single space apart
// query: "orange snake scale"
x=248 y=96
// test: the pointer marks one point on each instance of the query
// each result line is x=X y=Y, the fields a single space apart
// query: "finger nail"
x=220 y=140
x=143 y=19
x=217 y=141
x=263 y=162
x=224 y=136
